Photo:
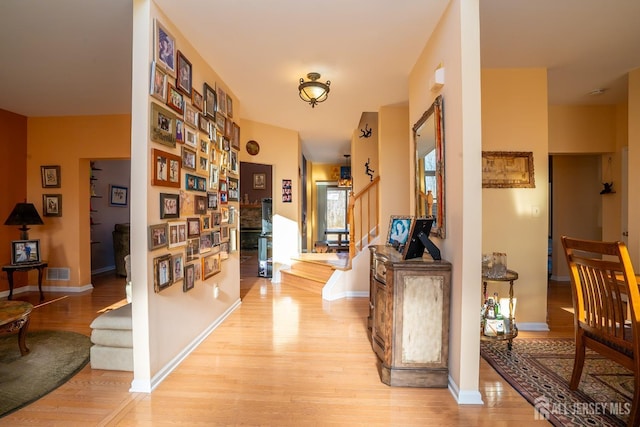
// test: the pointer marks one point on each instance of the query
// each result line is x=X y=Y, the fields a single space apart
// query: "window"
x=336 y=212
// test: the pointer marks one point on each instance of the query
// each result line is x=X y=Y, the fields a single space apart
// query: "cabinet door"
x=380 y=340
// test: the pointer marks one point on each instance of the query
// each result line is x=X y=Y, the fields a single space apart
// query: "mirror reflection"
x=429 y=151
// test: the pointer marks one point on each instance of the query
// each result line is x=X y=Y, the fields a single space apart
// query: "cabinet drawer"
x=380 y=270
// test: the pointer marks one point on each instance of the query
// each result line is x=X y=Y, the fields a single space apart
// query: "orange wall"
x=71 y=142
x=13 y=184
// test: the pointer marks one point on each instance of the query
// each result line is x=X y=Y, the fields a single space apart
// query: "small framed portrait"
x=162 y=272
x=217 y=218
x=229 y=106
x=203 y=165
x=158 y=82
x=191 y=138
x=195 y=183
x=221 y=121
x=214 y=176
x=177 y=233
x=206 y=242
x=118 y=195
x=210 y=101
x=188 y=159
x=163 y=125
x=222 y=101
x=234 y=165
x=210 y=265
x=50 y=176
x=197 y=100
x=398 y=233
x=193 y=249
x=169 y=206
x=200 y=205
x=183 y=80
x=191 y=116
x=233 y=189
x=25 y=251
x=180 y=131
x=52 y=204
x=224 y=233
x=228 y=129
x=203 y=124
x=193 y=227
x=177 y=266
x=235 y=137
x=166 y=169
x=286 y=191
x=205 y=223
x=165 y=49
x=158 y=236
x=175 y=99
x=212 y=200
x=259 y=181
x=189 y=277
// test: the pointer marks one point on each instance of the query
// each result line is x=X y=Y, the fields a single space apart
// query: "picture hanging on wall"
x=183 y=80
x=189 y=277
x=210 y=101
x=163 y=125
x=165 y=49
x=163 y=274
x=158 y=82
x=50 y=176
x=177 y=265
x=286 y=191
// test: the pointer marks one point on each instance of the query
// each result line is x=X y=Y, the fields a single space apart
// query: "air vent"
x=58 y=274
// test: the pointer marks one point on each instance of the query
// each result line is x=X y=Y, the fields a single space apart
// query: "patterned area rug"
x=540 y=369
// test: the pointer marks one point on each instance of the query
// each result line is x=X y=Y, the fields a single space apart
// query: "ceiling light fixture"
x=597 y=92
x=313 y=91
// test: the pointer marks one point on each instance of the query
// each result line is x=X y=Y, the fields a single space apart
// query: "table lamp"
x=24 y=214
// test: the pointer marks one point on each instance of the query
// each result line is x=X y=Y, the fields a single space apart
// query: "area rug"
x=540 y=369
x=54 y=358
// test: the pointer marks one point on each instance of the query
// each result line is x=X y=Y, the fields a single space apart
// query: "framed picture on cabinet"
x=183 y=80
x=162 y=272
x=164 y=48
x=50 y=176
x=166 y=169
x=399 y=227
x=25 y=251
x=52 y=204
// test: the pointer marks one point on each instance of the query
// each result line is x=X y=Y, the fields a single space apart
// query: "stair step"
x=320 y=272
x=302 y=281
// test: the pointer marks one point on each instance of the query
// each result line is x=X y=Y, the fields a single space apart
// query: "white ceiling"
x=73 y=57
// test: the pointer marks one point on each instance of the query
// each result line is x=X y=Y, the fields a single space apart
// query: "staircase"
x=311 y=272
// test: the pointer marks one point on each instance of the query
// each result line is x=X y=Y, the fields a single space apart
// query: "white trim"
x=103 y=269
x=533 y=326
x=48 y=289
x=464 y=397
x=143 y=386
x=560 y=278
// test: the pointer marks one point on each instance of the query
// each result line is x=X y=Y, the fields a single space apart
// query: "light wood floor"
x=284 y=358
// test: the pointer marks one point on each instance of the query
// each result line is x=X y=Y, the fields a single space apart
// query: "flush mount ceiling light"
x=597 y=92
x=313 y=91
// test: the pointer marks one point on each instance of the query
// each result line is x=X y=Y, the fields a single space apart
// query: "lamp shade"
x=313 y=91
x=24 y=214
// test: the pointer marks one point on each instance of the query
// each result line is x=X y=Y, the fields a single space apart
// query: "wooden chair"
x=602 y=278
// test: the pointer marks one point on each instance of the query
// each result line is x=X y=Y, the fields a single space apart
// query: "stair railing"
x=363 y=217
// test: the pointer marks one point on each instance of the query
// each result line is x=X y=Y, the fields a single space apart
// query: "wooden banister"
x=362 y=215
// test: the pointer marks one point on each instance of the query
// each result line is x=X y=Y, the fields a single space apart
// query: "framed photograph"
x=206 y=242
x=162 y=272
x=169 y=206
x=217 y=218
x=221 y=122
x=203 y=165
x=203 y=124
x=212 y=200
x=210 y=101
x=205 y=223
x=175 y=99
x=214 y=176
x=177 y=266
x=229 y=106
x=233 y=189
x=259 y=181
x=52 y=204
x=200 y=205
x=234 y=165
x=158 y=236
x=286 y=191
x=507 y=169
x=191 y=116
x=193 y=228
x=197 y=100
x=222 y=101
x=118 y=195
x=195 y=183
x=163 y=125
x=177 y=233
x=50 y=176
x=158 y=86
x=235 y=136
x=183 y=80
x=166 y=169
x=398 y=233
x=224 y=234
x=188 y=159
x=189 y=277
x=180 y=131
x=228 y=129
x=225 y=215
x=25 y=251
x=193 y=249
x=191 y=137
x=210 y=265
x=165 y=49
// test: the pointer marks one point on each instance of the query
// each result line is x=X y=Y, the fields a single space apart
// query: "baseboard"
x=464 y=397
x=560 y=278
x=142 y=386
x=533 y=326
x=48 y=289
x=103 y=269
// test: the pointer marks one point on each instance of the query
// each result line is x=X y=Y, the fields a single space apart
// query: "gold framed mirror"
x=428 y=137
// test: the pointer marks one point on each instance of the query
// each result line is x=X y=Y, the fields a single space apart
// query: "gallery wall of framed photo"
x=195 y=139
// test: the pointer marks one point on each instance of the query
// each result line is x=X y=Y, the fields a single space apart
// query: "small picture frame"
x=193 y=228
x=203 y=124
x=205 y=242
x=158 y=85
x=259 y=181
x=180 y=131
x=177 y=234
x=177 y=266
x=193 y=249
x=191 y=116
x=235 y=137
x=162 y=272
x=50 y=176
x=167 y=169
x=233 y=189
x=169 y=206
x=188 y=159
x=52 y=204
x=195 y=183
x=163 y=126
x=229 y=106
x=203 y=165
x=191 y=138
x=399 y=228
x=158 y=236
x=197 y=100
x=175 y=99
x=210 y=101
x=212 y=200
x=183 y=80
x=200 y=205
x=189 y=277
x=165 y=49
x=210 y=265
x=118 y=195
x=25 y=251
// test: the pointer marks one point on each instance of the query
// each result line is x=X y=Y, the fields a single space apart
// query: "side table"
x=510 y=277
x=10 y=269
x=14 y=316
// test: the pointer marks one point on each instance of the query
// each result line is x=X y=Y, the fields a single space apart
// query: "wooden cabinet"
x=409 y=318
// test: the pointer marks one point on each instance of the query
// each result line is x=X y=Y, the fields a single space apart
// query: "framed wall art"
x=210 y=101
x=163 y=125
x=169 y=206
x=205 y=242
x=189 y=277
x=180 y=131
x=50 y=176
x=175 y=99
x=162 y=272
x=195 y=183
x=229 y=106
x=193 y=249
x=158 y=236
x=233 y=189
x=158 y=82
x=25 y=251
x=507 y=169
x=177 y=233
x=222 y=101
x=191 y=137
x=212 y=200
x=166 y=169
x=203 y=124
x=203 y=165
x=183 y=80
x=52 y=204
x=188 y=159
x=235 y=137
x=165 y=48
x=118 y=195
x=177 y=266
x=197 y=100
x=193 y=228
x=210 y=265
x=191 y=116
x=200 y=205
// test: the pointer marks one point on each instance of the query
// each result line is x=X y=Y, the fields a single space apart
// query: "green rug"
x=54 y=358
x=540 y=369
